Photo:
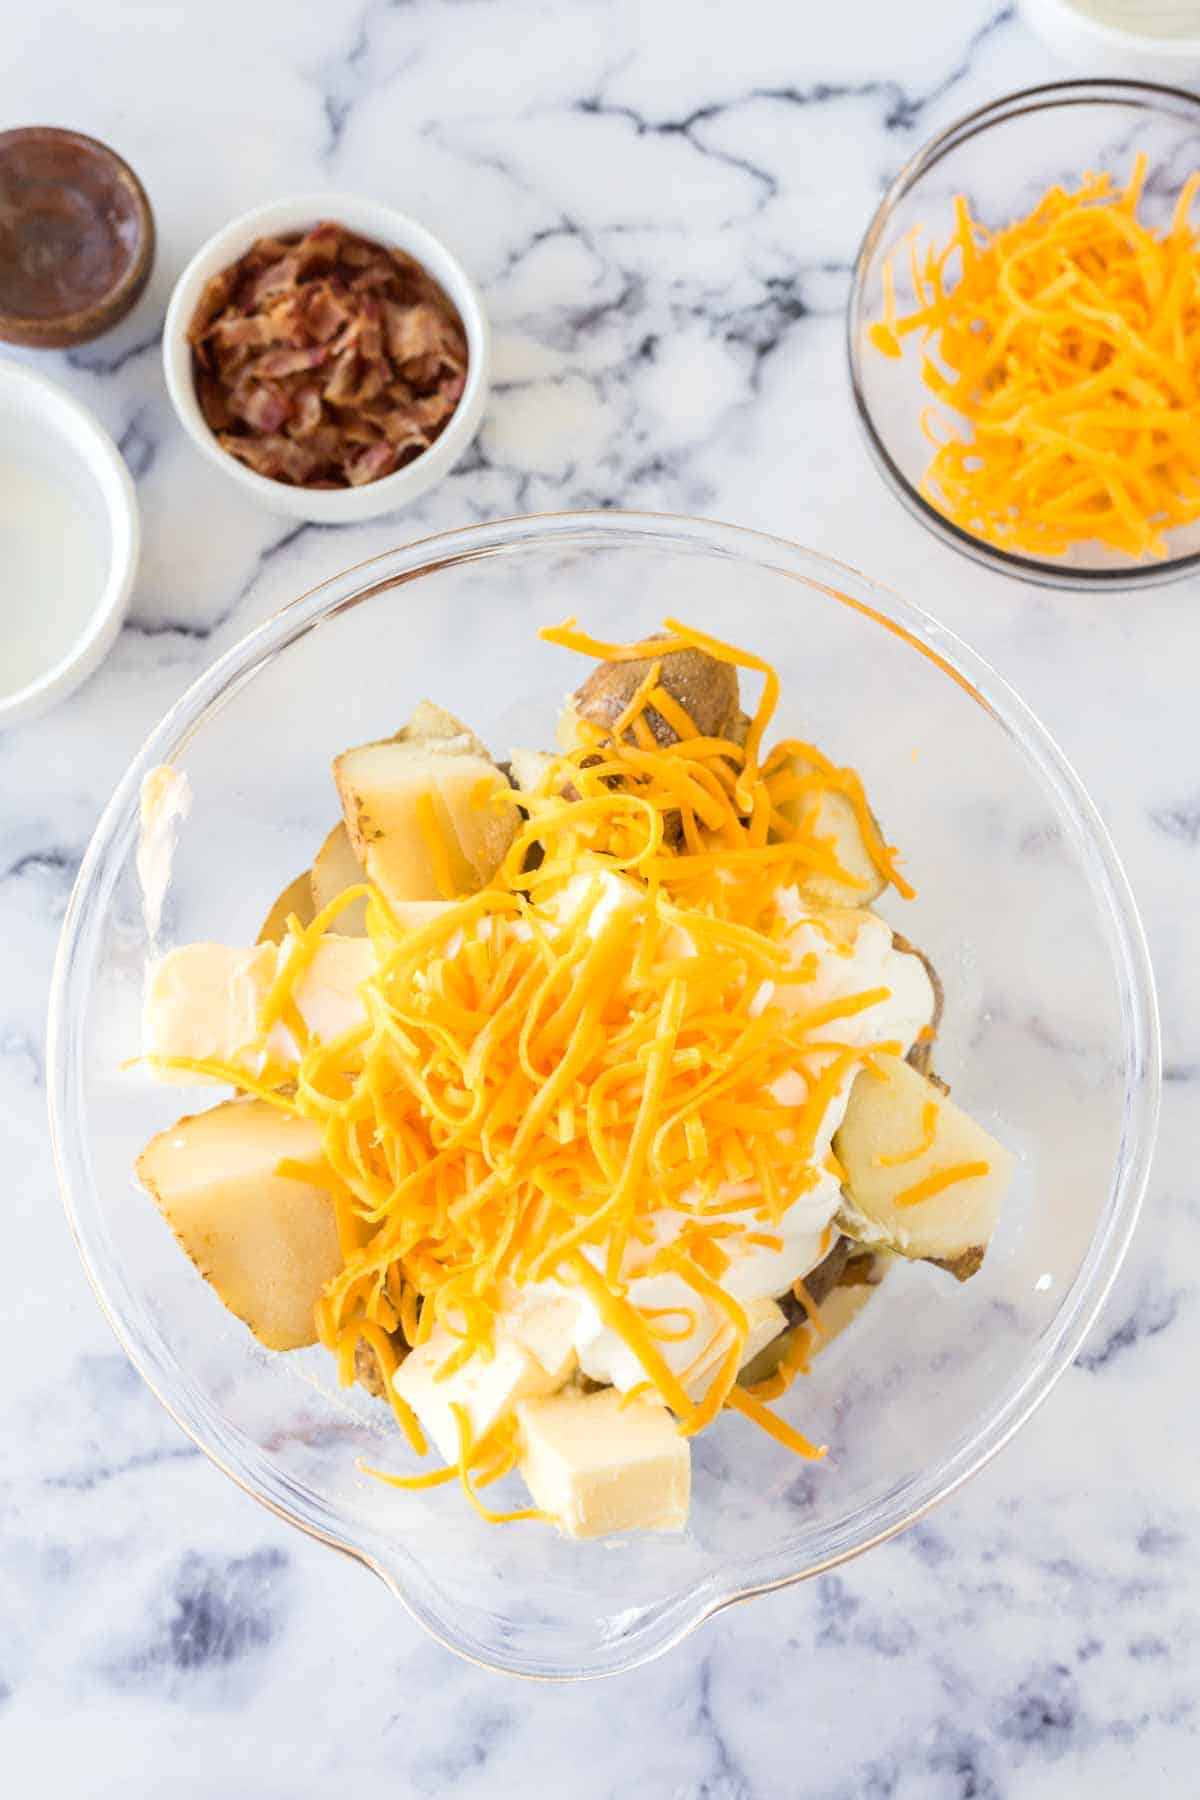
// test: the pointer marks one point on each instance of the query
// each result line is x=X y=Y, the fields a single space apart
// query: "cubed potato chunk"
x=336 y=866
x=598 y=1464
x=431 y=723
x=884 y=1200
x=267 y=1244
x=422 y=821
x=828 y=814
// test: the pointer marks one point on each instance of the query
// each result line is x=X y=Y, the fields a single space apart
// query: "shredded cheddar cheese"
x=745 y=1402
x=1069 y=343
x=793 y=1362
x=586 y=1043
x=801 y=1293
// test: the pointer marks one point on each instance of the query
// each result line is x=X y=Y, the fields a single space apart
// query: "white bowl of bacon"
x=330 y=355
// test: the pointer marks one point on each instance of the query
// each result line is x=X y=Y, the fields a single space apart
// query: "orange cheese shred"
x=937 y=1184
x=929 y=1119
x=744 y=1402
x=507 y=1461
x=793 y=1362
x=435 y=843
x=810 y=1306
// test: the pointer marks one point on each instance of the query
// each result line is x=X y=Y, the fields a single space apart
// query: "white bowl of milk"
x=1134 y=40
x=69 y=541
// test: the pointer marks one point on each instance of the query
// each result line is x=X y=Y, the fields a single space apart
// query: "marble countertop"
x=661 y=203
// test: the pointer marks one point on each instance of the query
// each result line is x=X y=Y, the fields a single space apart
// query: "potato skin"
x=921 y=1055
x=883 y=1120
x=367 y=1372
x=265 y=1243
x=847 y=1265
x=295 y=898
x=335 y=868
x=705 y=688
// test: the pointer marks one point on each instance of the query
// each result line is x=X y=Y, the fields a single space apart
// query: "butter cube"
x=204 y=1001
x=598 y=1466
x=542 y=1319
x=486 y=1389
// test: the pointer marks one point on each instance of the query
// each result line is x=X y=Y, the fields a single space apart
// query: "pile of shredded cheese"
x=1070 y=343
x=544 y=1068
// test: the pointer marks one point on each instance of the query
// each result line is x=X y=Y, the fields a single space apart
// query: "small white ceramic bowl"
x=76 y=476
x=331 y=506
x=1099 y=46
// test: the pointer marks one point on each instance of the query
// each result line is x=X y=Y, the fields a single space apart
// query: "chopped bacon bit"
x=243 y=334
x=379 y=460
x=416 y=333
x=307 y=411
x=399 y=427
x=325 y=311
x=212 y=300
x=339 y=389
x=325 y=360
x=317 y=253
x=356 y=428
x=278 y=457
x=276 y=363
x=211 y=396
x=264 y=409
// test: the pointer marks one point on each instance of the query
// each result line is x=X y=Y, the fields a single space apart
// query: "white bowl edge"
x=72 y=422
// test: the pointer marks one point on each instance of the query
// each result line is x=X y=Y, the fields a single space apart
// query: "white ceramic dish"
x=1096 y=46
x=331 y=506
x=72 y=464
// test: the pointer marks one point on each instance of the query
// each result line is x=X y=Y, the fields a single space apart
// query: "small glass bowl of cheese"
x=1039 y=962
x=1068 y=430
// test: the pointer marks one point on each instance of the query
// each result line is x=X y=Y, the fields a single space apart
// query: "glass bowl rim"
x=1046 y=96
x=114 y=835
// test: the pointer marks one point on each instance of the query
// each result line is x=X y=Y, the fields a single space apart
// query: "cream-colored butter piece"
x=598 y=1465
x=203 y=1001
x=486 y=1389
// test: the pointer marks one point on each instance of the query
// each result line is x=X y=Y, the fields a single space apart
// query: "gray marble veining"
x=662 y=204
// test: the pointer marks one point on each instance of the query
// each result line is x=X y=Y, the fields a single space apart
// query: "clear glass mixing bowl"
x=1050 y=1038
